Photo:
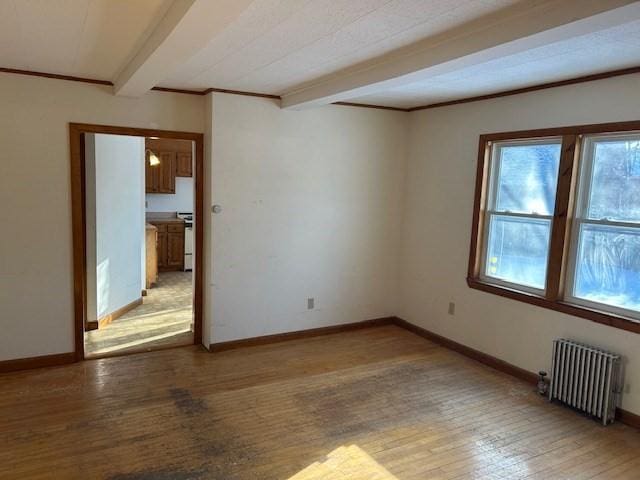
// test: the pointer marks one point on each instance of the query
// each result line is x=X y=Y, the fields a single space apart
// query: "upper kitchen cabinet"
x=160 y=178
x=151 y=174
x=175 y=160
x=167 y=176
x=184 y=164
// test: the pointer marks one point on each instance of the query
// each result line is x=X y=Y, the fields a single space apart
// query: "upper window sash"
x=495 y=167
x=586 y=177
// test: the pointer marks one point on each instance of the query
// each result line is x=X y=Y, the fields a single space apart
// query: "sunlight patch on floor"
x=140 y=342
x=164 y=318
x=345 y=463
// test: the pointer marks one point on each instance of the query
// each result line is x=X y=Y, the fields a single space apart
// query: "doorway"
x=137 y=197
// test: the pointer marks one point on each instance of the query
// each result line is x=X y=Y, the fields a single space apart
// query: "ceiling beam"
x=512 y=30
x=187 y=27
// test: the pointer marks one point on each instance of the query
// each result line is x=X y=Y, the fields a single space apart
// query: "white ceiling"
x=84 y=38
x=611 y=49
x=277 y=46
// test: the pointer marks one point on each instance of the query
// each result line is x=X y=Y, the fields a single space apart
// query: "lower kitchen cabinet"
x=170 y=245
x=151 y=263
x=175 y=247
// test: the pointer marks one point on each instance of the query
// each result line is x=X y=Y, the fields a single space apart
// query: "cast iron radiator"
x=585 y=378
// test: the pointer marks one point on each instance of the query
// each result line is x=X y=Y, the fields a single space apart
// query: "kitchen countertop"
x=164 y=220
x=162 y=217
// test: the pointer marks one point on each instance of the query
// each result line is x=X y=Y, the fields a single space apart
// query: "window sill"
x=609 y=319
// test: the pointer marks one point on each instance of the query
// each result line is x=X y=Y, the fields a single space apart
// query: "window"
x=606 y=246
x=519 y=215
x=557 y=220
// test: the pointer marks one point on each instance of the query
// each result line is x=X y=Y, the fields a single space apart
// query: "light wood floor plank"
x=374 y=404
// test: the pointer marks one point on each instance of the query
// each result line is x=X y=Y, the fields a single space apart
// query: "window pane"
x=518 y=249
x=608 y=266
x=615 y=185
x=527 y=178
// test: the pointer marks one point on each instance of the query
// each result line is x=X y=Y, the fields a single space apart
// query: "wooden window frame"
x=561 y=227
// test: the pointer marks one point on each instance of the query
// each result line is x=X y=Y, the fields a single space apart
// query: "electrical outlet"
x=311 y=303
x=452 y=308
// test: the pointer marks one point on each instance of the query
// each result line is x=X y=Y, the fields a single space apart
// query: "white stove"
x=188 y=239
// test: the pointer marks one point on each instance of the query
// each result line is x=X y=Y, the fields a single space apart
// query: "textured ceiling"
x=85 y=38
x=277 y=45
x=607 y=50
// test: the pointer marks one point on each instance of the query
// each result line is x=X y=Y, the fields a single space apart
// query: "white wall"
x=439 y=206
x=311 y=207
x=207 y=234
x=36 y=285
x=181 y=201
x=119 y=221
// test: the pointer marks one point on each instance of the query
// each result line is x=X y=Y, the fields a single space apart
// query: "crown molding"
x=533 y=88
x=505 y=93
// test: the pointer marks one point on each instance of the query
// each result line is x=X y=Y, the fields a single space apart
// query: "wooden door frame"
x=78 y=209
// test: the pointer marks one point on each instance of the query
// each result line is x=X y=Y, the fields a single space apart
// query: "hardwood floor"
x=165 y=318
x=374 y=404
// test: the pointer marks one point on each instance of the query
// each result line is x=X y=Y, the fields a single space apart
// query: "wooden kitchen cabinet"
x=151 y=175
x=176 y=160
x=175 y=249
x=161 y=249
x=151 y=248
x=184 y=165
x=161 y=178
x=167 y=172
x=170 y=244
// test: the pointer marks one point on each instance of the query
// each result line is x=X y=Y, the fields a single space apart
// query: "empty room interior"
x=320 y=240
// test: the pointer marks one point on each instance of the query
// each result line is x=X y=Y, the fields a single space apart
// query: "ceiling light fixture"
x=153 y=159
